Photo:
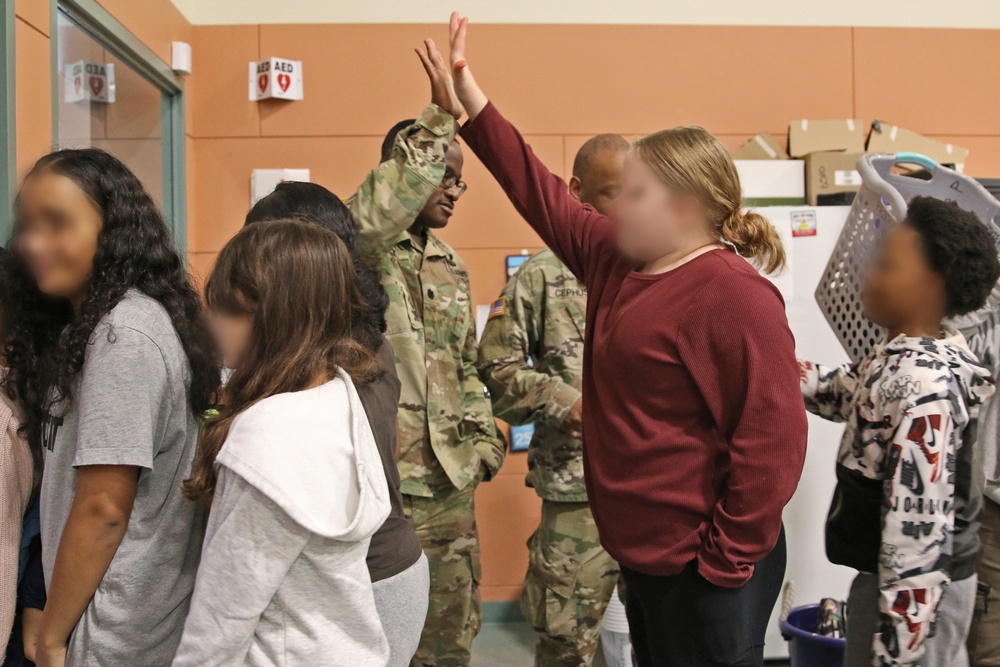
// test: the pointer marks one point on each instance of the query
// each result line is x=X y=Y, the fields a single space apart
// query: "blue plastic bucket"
x=805 y=647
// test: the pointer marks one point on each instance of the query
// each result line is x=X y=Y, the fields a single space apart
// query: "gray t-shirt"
x=130 y=407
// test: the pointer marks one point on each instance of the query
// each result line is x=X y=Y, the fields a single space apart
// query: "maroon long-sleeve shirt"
x=694 y=427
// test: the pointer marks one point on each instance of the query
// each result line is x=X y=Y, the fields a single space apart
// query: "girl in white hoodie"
x=289 y=466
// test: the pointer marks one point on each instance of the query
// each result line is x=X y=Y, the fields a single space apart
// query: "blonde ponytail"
x=751 y=235
x=689 y=159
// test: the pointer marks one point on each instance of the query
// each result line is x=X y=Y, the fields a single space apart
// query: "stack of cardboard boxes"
x=822 y=158
x=831 y=149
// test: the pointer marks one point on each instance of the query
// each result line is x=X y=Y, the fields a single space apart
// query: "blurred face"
x=232 y=333
x=900 y=288
x=653 y=220
x=441 y=206
x=56 y=234
x=601 y=183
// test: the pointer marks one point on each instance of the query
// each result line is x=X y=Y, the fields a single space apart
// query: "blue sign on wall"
x=514 y=262
x=520 y=437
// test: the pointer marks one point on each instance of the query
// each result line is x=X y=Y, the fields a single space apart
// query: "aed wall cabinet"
x=275 y=78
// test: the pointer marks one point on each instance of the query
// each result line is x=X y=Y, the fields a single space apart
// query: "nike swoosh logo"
x=910 y=477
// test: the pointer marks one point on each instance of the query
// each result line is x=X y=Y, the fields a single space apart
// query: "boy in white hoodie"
x=905 y=512
x=289 y=465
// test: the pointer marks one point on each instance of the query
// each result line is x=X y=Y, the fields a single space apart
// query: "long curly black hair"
x=47 y=344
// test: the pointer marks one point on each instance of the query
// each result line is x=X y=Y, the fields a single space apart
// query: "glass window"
x=106 y=103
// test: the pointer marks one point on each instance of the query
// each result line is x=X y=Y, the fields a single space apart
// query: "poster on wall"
x=275 y=78
x=804 y=222
x=514 y=262
x=90 y=82
x=264 y=181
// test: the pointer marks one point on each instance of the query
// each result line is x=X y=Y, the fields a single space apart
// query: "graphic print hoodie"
x=905 y=506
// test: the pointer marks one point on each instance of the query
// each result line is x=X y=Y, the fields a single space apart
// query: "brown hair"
x=297 y=280
x=691 y=160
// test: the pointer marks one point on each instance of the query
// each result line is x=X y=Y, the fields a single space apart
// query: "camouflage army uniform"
x=541 y=317
x=448 y=440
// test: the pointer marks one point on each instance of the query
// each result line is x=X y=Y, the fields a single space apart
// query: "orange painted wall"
x=560 y=84
x=32 y=93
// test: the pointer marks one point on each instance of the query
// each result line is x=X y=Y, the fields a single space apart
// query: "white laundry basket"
x=881 y=203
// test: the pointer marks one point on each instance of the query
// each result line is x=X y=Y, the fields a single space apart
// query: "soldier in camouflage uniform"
x=530 y=357
x=448 y=440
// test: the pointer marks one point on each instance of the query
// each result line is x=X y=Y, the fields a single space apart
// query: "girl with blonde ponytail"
x=752 y=235
x=694 y=427
x=689 y=160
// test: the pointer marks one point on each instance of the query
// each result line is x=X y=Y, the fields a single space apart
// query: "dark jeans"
x=685 y=621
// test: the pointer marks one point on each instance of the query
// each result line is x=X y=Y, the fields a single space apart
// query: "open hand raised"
x=442 y=87
x=471 y=96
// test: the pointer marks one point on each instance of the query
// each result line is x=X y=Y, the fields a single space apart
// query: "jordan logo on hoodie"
x=909 y=476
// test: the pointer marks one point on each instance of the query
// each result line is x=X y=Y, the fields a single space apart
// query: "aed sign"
x=90 y=82
x=276 y=78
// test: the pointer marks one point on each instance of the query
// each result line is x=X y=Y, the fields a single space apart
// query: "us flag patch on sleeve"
x=498 y=308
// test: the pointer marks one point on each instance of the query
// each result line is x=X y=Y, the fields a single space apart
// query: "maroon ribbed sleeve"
x=566 y=226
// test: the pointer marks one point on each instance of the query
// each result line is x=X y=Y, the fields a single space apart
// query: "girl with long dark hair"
x=289 y=466
x=311 y=202
x=113 y=364
x=396 y=561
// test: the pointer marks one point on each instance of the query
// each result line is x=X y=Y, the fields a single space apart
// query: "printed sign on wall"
x=520 y=437
x=803 y=223
x=276 y=78
x=90 y=82
x=264 y=181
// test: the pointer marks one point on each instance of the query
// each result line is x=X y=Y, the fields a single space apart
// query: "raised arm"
x=392 y=195
x=570 y=228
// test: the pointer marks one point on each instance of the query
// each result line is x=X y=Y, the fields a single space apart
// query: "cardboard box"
x=814 y=136
x=761 y=147
x=889 y=138
x=772 y=182
x=830 y=173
